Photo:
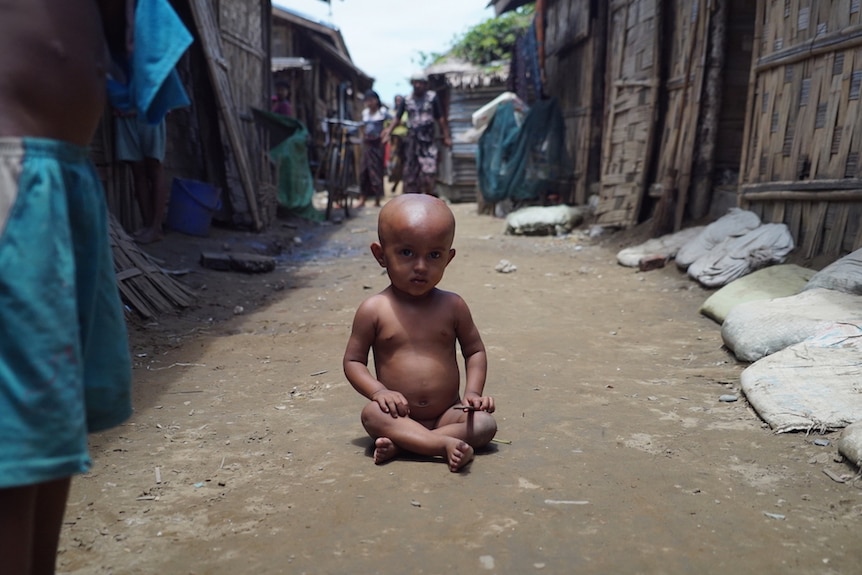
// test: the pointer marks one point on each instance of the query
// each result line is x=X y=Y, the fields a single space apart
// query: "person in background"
x=371 y=169
x=281 y=104
x=65 y=369
x=396 y=147
x=420 y=154
x=142 y=146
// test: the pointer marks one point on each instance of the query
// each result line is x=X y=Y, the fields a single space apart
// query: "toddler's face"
x=416 y=260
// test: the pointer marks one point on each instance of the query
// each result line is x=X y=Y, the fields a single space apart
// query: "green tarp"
x=523 y=163
x=290 y=156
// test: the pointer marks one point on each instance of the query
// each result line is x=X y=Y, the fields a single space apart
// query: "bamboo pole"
x=206 y=24
x=704 y=164
x=757 y=40
x=802 y=196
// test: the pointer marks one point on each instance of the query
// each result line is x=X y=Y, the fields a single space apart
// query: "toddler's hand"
x=392 y=402
x=481 y=403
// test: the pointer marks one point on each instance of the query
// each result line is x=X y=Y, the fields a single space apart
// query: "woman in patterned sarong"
x=420 y=154
x=371 y=168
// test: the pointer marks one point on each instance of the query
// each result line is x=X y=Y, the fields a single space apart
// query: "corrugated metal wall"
x=458 y=178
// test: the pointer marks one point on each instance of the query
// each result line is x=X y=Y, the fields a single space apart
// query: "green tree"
x=493 y=39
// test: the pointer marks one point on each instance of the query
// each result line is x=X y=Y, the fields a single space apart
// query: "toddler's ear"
x=377 y=251
x=451 y=254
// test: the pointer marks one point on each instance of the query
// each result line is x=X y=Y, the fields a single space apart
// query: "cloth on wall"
x=523 y=163
x=152 y=86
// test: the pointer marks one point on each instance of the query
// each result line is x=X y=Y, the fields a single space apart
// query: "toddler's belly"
x=430 y=388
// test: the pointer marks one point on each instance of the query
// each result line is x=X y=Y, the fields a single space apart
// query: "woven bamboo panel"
x=803 y=124
x=568 y=22
x=632 y=84
x=249 y=69
x=575 y=78
x=688 y=44
x=238 y=166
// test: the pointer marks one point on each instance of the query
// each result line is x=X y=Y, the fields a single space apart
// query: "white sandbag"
x=765 y=284
x=850 y=444
x=482 y=117
x=812 y=385
x=735 y=257
x=756 y=329
x=734 y=223
x=544 y=220
x=666 y=246
x=844 y=275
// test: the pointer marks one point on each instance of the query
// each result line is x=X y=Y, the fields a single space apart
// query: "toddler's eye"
x=434 y=255
x=406 y=252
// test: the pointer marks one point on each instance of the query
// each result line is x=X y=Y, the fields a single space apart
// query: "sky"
x=385 y=37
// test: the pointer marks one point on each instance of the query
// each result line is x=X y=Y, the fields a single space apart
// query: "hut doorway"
x=677 y=85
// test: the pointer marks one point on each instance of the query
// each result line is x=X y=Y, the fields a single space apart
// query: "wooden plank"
x=749 y=132
x=845 y=39
x=632 y=80
x=833 y=239
x=804 y=196
x=813 y=218
x=804 y=185
x=211 y=41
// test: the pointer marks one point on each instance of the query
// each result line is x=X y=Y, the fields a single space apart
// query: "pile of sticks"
x=145 y=287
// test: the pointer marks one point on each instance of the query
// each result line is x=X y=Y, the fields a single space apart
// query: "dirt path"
x=622 y=459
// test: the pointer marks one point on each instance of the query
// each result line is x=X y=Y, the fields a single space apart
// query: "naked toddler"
x=413 y=327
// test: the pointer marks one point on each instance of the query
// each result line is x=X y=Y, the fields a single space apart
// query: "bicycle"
x=341 y=159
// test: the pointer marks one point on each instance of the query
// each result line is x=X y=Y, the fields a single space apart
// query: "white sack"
x=482 y=117
x=850 y=444
x=736 y=257
x=734 y=223
x=544 y=220
x=756 y=329
x=763 y=285
x=666 y=246
x=842 y=275
x=813 y=385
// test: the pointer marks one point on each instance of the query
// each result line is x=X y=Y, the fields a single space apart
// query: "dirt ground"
x=245 y=453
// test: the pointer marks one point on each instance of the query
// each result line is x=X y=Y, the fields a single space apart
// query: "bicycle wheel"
x=332 y=180
x=348 y=170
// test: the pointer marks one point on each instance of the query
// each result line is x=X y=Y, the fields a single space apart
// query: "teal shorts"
x=64 y=354
x=136 y=140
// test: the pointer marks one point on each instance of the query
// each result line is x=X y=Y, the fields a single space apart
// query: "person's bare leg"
x=156 y=198
x=410 y=435
x=50 y=508
x=141 y=191
x=477 y=428
x=31 y=518
x=17 y=511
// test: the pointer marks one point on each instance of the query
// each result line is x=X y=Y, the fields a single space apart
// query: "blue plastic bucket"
x=191 y=208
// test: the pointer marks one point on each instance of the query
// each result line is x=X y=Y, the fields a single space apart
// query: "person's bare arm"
x=475 y=358
x=444 y=129
x=355 y=364
x=396 y=121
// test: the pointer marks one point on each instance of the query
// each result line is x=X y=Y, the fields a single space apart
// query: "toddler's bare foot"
x=384 y=450
x=458 y=454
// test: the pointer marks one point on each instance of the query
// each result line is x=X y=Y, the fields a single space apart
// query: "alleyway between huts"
x=246 y=455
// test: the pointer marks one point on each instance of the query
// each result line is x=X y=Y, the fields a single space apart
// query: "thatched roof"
x=462 y=74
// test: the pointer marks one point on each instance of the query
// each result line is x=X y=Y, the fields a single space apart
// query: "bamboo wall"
x=803 y=132
x=225 y=72
x=243 y=27
x=686 y=24
x=574 y=69
x=632 y=82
